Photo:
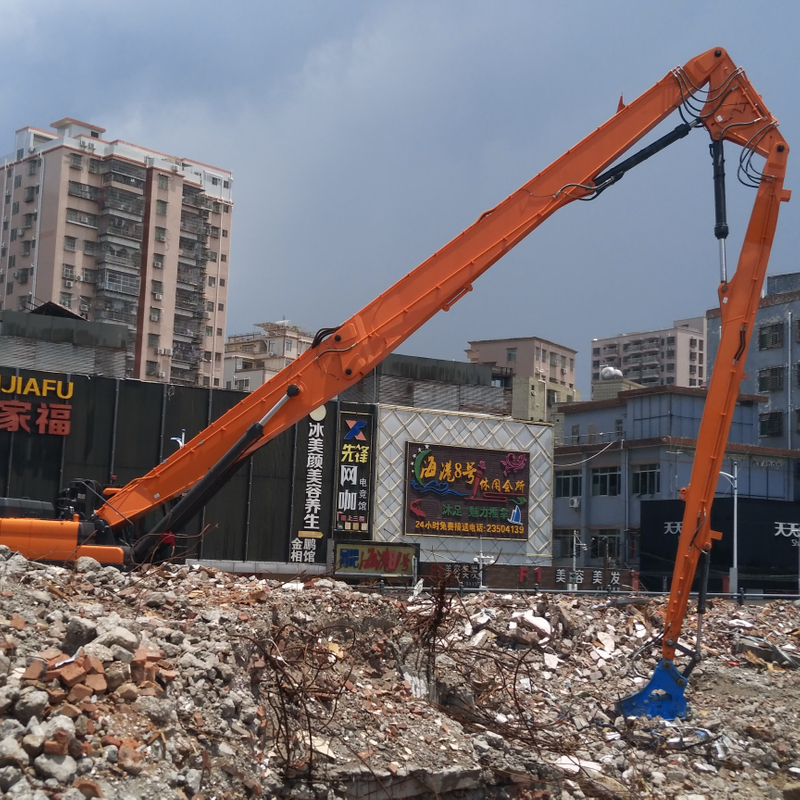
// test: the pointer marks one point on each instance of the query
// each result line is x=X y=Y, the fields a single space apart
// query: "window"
x=214 y=181
x=65 y=299
x=10 y=287
x=216 y=381
x=770 y=379
x=17 y=181
x=153 y=340
x=211 y=255
x=209 y=305
x=511 y=354
x=569 y=483
x=155 y=314
x=30 y=193
x=76 y=160
x=692 y=342
x=575 y=434
x=161 y=234
x=670 y=340
x=605 y=543
x=214 y=231
x=670 y=368
x=8 y=199
x=226 y=209
x=770 y=424
x=646 y=479
x=157 y=287
x=219 y=331
x=151 y=368
x=226 y=184
x=605 y=481
x=224 y=233
x=206 y=355
x=595 y=351
x=220 y=306
x=89 y=275
x=26 y=248
x=90 y=248
x=13 y=234
x=163 y=181
x=161 y=207
x=287 y=346
x=770 y=336
x=95 y=166
x=15 y=208
x=669 y=381
x=596 y=364
x=12 y=262
x=212 y=281
x=564 y=541
x=619 y=431
x=692 y=381
x=692 y=369
x=70 y=243
x=33 y=166
x=76 y=189
x=217 y=358
x=29 y=219
x=82 y=218
x=222 y=281
x=571 y=364
x=699 y=372
x=158 y=261
x=553 y=359
x=67 y=272
x=223 y=258
x=20 y=154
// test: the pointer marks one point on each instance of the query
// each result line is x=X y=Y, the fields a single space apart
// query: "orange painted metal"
x=367 y=337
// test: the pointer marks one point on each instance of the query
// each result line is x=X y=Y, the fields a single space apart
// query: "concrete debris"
x=190 y=683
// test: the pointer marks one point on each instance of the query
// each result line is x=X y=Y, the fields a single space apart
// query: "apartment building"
x=772 y=366
x=538 y=370
x=251 y=359
x=672 y=356
x=120 y=233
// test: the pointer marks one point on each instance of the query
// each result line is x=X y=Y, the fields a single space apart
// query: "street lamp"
x=734 y=482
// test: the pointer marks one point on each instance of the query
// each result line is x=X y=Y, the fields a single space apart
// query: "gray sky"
x=364 y=135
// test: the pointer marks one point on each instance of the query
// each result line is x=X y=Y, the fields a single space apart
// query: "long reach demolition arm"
x=710 y=91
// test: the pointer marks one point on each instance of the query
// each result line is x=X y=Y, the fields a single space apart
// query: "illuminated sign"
x=462 y=491
x=354 y=473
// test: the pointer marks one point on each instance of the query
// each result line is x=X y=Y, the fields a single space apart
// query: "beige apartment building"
x=547 y=369
x=251 y=359
x=666 y=357
x=120 y=233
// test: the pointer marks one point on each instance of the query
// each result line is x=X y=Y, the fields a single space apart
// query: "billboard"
x=466 y=491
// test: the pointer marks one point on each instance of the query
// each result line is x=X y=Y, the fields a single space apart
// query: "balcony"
x=122 y=201
x=197 y=200
x=117 y=226
x=195 y=225
x=115 y=315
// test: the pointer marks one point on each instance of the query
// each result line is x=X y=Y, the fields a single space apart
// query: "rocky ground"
x=184 y=682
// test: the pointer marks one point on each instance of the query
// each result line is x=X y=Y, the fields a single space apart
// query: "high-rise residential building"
x=120 y=233
x=547 y=369
x=665 y=357
x=253 y=358
x=772 y=366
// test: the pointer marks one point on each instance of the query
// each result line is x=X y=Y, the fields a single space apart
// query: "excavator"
x=709 y=92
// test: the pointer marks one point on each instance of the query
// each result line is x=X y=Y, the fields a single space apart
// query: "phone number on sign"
x=466 y=527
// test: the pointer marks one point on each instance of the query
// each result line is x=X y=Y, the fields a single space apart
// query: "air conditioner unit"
x=68 y=284
x=167 y=351
x=574 y=502
x=31 y=149
x=162 y=374
x=175 y=168
x=158 y=296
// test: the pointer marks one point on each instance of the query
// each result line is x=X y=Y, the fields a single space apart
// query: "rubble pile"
x=184 y=682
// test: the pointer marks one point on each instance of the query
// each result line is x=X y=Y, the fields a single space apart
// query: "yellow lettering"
x=12 y=388
x=31 y=386
x=65 y=396
x=48 y=385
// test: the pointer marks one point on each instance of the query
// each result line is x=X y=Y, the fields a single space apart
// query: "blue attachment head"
x=662 y=696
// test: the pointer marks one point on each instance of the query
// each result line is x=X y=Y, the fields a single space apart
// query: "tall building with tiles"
x=120 y=233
